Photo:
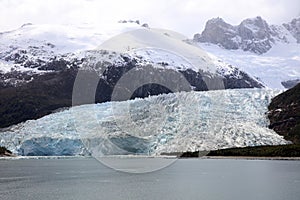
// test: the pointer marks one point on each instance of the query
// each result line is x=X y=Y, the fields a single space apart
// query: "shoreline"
x=249 y=158
x=152 y=157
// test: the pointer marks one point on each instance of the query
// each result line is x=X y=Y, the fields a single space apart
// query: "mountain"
x=254 y=35
x=284 y=114
x=40 y=63
x=294 y=28
x=268 y=52
x=185 y=121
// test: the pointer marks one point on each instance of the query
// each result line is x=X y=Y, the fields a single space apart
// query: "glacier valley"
x=185 y=121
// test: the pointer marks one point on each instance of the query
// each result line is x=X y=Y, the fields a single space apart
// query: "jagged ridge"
x=254 y=35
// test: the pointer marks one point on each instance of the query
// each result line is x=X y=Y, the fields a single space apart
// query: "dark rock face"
x=284 y=114
x=4 y=151
x=230 y=82
x=217 y=31
x=253 y=35
x=294 y=28
x=256 y=35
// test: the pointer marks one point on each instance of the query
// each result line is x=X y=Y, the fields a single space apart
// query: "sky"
x=185 y=16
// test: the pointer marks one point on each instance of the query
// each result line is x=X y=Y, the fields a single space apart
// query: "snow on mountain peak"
x=65 y=38
x=26 y=24
x=158 y=45
x=255 y=25
x=33 y=46
x=253 y=34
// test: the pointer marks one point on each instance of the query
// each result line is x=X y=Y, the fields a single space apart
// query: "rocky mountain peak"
x=257 y=21
x=255 y=28
x=218 y=24
x=129 y=21
x=217 y=20
x=253 y=34
x=217 y=31
x=294 y=28
x=26 y=24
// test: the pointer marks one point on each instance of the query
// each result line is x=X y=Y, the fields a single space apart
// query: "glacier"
x=177 y=122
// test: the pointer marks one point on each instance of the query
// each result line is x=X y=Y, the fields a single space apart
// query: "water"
x=86 y=178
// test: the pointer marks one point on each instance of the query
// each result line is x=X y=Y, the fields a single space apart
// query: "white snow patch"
x=5 y=67
x=279 y=64
x=167 y=41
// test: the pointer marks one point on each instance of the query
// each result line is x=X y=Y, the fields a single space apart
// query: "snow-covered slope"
x=61 y=39
x=185 y=121
x=280 y=63
x=45 y=48
x=32 y=46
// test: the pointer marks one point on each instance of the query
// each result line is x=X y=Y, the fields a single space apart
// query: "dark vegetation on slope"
x=292 y=150
x=284 y=114
x=37 y=98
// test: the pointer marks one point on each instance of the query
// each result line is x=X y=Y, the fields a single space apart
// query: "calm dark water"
x=86 y=178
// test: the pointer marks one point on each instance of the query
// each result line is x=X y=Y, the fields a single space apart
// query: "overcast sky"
x=185 y=16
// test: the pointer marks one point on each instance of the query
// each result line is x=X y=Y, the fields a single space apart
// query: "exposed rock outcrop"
x=284 y=114
x=290 y=83
x=5 y=152
x=294 y=28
